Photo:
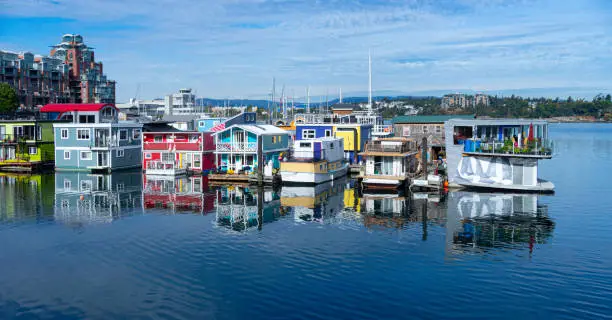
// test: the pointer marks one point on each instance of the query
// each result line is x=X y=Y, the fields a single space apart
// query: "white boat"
x=315 y=161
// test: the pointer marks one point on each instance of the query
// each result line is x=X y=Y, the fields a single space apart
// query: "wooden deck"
x=228 y=177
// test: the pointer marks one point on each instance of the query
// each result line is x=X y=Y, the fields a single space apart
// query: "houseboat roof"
x=431 y=119
x=69 y=107
x=495 y=122
x=159 y=127
x=258 y=129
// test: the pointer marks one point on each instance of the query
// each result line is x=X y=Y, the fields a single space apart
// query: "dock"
x=228 y=177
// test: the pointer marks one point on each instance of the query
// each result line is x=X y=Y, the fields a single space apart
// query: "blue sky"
x=233 y=48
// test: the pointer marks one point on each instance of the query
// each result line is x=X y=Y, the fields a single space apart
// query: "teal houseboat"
x=93 y=138
x=237 y=147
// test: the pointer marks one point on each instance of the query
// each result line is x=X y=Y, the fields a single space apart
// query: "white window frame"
x=328 y=132
x=67 y=184
x=193 y=138
x=161 y=139
x=62 y=134
x=120 y=153
x=309 y=132
x=32 y=148
x=67 y=152
x=86 y=185
x=134 y=132
x=84 y=130
x=126 y=134
x=86 y=152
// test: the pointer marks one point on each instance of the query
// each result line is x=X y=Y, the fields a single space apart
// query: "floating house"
x=178 y=194
x=206 y=124
x=237 y=147
x=389 y=162
x=242 y=118
x=93 y=139
x=26 y=145
x=431 y=127
x=355 y=135
x=167 y=151
x=82 y=197
x=497 y=153
x=314 y=161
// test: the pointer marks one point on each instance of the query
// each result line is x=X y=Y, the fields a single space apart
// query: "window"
x=438 y=129
x=87 y=119
x=201 y=123
x=67 y=184
x=148 y=156
x=157 y=139
x=197 y=185
x=82 y=134
x=64 y=133
x=331 y=145
x=273 y=139
x=308 y=134
x=85 y=155
x=120 y=186
x=167 y=157
x=328 y=133
x=136 y=134
x=194 y=138
x=123 y=134
x=197 y=161
x=120 y=153
x=32 y=150
x=305 y=144
x=65 y=203
x=66 y=155
x=425 y=129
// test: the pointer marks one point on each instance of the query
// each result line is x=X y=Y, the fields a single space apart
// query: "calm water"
x=121 y=246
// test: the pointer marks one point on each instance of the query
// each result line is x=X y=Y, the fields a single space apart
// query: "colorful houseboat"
x=220 y=124
x=174 y=152
x=389 y=162
x=26 y=145
x=237 y=147
x=355 y=135
x=314 y=161
x=497 y=153
x=93 y=139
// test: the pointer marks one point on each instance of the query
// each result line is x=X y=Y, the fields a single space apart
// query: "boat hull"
x=293 y=177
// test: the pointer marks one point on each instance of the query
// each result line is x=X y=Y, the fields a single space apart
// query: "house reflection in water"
x=178 y=194
x=25 y=195
x=241 y=208
x=478 y=221
x=82 y=197
x=314 y=203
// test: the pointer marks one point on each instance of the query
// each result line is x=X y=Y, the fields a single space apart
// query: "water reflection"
x=178 y=194
x=82 y=198
x=23 y=196
x=319 y=203
x=481 y=221
x=240 y=208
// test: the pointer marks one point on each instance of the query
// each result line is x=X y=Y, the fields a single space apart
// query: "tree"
x=8 y=99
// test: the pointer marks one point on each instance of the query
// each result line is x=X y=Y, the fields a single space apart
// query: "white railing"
x=237 y=147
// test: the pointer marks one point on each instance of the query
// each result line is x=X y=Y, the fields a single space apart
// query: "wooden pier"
x=228 y=177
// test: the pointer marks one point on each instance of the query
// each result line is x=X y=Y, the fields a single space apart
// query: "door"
x=102 y=159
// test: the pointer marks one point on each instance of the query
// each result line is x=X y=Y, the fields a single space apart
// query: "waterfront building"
x=208 y=123
x=222 y=123
x=26 y=145
x=237 y=147
x=87 y=81
x=92 y=138
x=37 y=79
x=178 y=194
x=462 y=101
x=314 y=161
x=355 y=135
x=430 y=127
x=497 y=153
x=167 y=151
x=342 y=109
x=389 y=162
x=83 y=198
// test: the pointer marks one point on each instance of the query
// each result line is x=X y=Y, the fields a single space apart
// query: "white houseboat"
x=497 y=153
x=389 y=162
x=315 y=161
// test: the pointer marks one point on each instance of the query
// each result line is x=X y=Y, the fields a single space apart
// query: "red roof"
x=68 y=107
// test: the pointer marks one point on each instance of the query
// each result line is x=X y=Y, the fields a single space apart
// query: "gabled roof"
x=69 y=107
x=258 y=129
x=432 y=118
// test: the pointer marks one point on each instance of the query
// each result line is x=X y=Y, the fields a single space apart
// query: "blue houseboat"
x=218 y=124
x=93 y=139
x=236 y=147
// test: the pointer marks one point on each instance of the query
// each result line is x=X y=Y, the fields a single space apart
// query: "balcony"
x=537 y=148
x=404 y=147
x=172 y=146
x=164 y=168
x=13 y=139
x=237 y=147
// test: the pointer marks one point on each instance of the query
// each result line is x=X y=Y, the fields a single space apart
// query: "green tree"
x=8 y=99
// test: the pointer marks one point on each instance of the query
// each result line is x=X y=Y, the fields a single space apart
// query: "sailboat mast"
x=369 y=80
x=308 y=99
x=340 y=95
